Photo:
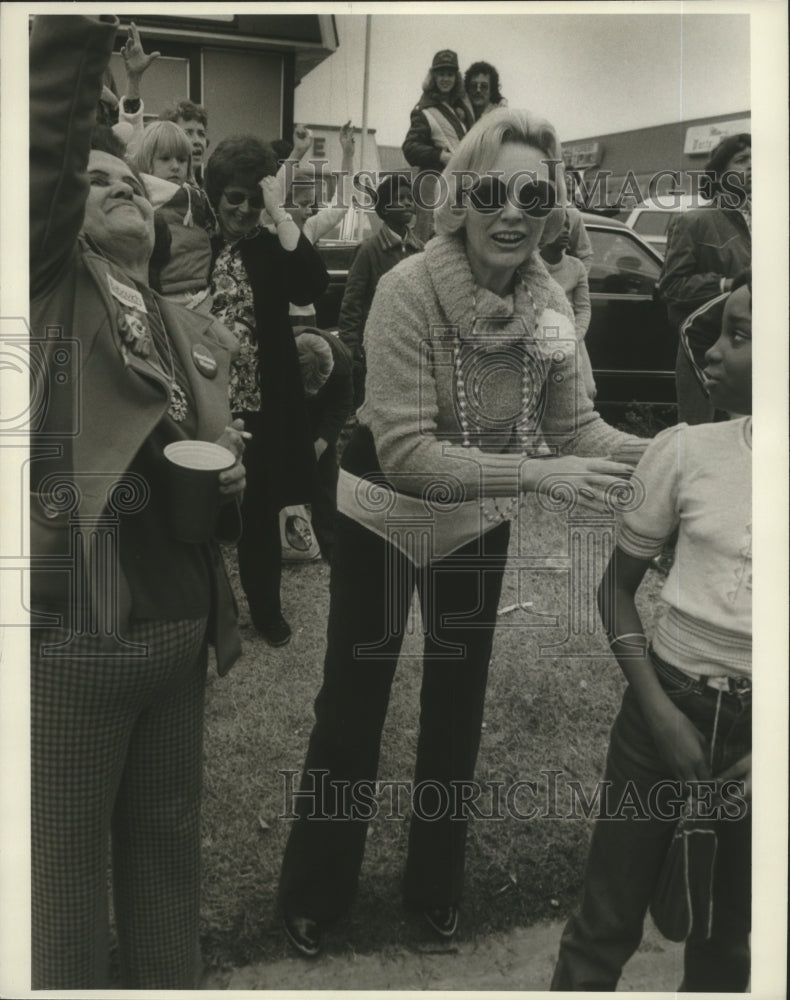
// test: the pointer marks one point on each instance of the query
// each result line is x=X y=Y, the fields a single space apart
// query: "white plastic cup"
x=194 y=497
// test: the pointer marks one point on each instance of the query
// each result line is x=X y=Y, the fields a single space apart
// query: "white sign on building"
x=705 y=138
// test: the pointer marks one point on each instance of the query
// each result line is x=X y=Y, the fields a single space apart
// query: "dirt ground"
x=521 y=960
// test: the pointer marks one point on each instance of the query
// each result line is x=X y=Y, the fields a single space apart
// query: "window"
x=620 y=264
x=653 y=223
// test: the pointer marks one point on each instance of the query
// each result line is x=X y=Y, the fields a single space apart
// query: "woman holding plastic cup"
x=123 y=609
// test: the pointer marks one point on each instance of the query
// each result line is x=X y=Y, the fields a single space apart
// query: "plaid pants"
x=117 y=748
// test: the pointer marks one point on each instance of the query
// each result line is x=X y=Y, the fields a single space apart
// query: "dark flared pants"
x=323 y=502
x=259 y=548
x=371 y=588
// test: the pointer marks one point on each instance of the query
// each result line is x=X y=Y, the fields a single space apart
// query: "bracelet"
x=627 y=635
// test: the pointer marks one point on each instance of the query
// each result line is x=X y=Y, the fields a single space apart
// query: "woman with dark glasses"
x=258 y=273
x=471 y=373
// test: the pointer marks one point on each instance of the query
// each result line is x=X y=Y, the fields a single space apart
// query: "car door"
x=631 y=344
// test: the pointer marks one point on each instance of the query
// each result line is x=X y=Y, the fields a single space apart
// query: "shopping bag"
x=297 y=538
x=683 y=897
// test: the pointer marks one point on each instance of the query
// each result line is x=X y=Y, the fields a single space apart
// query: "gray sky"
x=589 y=73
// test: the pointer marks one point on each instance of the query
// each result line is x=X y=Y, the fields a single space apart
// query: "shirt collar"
x=390 y=240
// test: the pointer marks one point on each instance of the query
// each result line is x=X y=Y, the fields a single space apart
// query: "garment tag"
x=126 y=295
x=204 y=362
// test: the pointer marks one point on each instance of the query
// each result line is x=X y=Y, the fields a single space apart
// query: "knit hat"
x=445 y=59
x=315 y=360
x=387 y=192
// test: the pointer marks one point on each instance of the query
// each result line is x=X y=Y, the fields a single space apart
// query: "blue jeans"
x=626 y=853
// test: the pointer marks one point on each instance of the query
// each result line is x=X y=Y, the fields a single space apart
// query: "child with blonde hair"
x=164 y=158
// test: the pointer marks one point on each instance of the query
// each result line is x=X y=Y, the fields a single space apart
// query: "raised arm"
x=68 y=56
x=325 y=221
x=136 y=61
x=302 y=273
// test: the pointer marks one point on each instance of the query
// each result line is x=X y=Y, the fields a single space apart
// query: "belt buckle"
x=730 y=685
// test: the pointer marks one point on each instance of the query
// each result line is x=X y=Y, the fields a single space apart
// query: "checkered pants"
x=117 y=748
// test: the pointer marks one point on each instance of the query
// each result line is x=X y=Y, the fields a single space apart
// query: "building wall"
x=242 y=68
x=650 y=156
x=225 y=75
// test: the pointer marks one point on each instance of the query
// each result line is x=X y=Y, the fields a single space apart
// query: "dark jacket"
x=375 y=256
x=420 y=146
x=705 y=245
x=279 y=277
x=100 y=401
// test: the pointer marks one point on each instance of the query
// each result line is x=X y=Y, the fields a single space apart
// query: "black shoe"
x=276 y=631
x=443 y=920
x=304 y=934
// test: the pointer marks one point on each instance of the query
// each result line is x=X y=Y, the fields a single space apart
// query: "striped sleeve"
x=643 y=531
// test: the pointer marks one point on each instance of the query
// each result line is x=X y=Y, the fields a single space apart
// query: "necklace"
x=179 y=403
x=490 y=506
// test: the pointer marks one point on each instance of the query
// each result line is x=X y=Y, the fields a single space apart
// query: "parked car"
x=631 y=344
x=652 y=219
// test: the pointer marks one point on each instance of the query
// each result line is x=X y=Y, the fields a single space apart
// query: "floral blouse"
x=233 y=306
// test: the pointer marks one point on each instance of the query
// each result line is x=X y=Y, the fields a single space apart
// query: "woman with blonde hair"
x=439 y=120
x=465 y=386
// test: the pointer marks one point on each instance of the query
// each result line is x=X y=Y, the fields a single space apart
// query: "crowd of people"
x=188 y=283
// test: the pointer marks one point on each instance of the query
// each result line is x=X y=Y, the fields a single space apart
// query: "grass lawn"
x=550 y=704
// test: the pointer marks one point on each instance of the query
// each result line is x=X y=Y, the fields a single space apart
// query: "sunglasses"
x=239 y=197
x=535 y=198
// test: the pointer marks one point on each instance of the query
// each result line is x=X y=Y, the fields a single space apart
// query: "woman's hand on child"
x=587 y=479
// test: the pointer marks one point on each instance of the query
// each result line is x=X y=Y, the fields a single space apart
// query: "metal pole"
x=353 y=215
x=365 y=95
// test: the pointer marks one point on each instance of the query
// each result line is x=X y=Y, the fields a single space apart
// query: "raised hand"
x=347 y=140
x=134 y=57
x=302 y=140
x=273 y=197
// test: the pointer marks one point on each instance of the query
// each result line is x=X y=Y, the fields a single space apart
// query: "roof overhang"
x=310 y=37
